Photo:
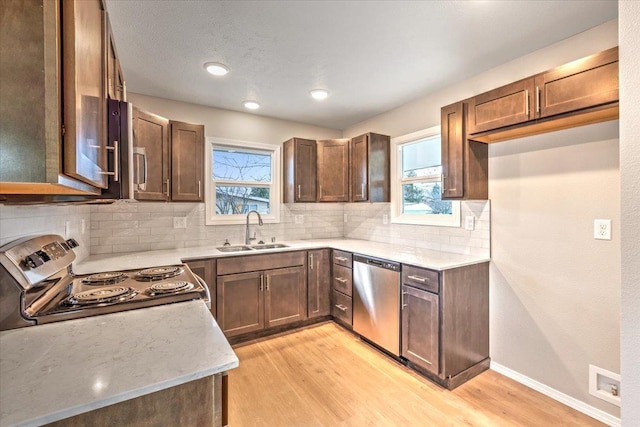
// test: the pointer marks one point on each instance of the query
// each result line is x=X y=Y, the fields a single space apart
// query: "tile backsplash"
x=67 y=221
x=364 y=221
x=130 y=226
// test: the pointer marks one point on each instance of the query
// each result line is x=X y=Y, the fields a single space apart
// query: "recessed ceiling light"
x=251 y=105
x=216 y=68
x=319 y=94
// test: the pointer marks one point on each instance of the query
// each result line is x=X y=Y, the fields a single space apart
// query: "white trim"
x=602 y=393
x=275 y=186
x=397 y=217
x=565 y=399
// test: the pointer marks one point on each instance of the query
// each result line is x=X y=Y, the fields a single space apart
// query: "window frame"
x=211 y=218
x=397 y=217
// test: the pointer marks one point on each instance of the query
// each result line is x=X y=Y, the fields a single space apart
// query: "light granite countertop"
x=427 y=258
x=54 y=371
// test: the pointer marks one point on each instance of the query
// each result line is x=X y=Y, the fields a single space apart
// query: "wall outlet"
x=385 y=219
x=605 y=385
x=469 y=222
x=67 y=229
x=179 y=222
x=299 y=219
x=602 y=229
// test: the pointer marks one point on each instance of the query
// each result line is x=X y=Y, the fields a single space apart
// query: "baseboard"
x=565 y=399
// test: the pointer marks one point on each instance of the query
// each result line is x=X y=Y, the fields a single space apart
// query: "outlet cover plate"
x=469 y=222
x=179 y=222
x=299 y=219
x=602 y=229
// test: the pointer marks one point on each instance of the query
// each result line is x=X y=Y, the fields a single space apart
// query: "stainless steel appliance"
x=376 y=302
x=37 y=285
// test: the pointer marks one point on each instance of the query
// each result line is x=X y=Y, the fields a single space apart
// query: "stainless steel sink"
x=237 y=248
x=270 y=246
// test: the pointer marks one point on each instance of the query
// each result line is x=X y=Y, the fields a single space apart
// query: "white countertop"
x=54 y=371
x=427 y=258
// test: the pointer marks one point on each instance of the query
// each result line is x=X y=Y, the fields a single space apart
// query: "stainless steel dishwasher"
x=376 y=301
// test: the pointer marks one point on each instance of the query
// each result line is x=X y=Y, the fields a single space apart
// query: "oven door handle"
x=206 y=289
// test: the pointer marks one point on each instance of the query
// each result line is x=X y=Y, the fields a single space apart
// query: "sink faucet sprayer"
x=248 y=237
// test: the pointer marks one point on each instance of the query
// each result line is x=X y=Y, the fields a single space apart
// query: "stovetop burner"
x=159 y=273
x=107 y=294
x=108 y=278
x=169 y=287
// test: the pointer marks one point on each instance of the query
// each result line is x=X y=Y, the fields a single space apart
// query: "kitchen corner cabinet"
x=206 y=270
x=187 y=162
x=318 y=283
x=300 y=170
x=369 y=168
x=464 y=162
x=53 y=104
x=333 y=170
x=168 y=159
x=445 y=322
x=261 y=291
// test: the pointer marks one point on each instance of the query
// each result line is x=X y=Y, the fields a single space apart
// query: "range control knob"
x=36 y=259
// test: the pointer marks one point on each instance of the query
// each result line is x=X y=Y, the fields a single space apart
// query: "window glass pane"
x=239 y=165
x=424 y=198
x=235 y=200
x=421 y=158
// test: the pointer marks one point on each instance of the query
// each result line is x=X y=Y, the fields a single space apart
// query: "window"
x=243 y=176
x=417 y=177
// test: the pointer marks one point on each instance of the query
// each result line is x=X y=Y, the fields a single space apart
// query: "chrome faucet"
x=248 y=237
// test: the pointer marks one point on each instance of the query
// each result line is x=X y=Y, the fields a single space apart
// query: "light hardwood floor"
x=325 y=376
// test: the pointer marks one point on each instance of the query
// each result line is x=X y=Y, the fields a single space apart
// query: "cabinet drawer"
x=343 y=258
x=421 y=278
x=342 y=279
x=243 y=264
x=341 y=308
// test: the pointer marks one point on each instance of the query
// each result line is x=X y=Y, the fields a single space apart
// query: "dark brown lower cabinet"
x=318 y=283
x=249 y=302
x=420 y=328
x=445 y=322
x=206 y=270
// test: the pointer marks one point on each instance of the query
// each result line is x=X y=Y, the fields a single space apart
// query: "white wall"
x=629 y=12
x=546 y=318
x=229 y=124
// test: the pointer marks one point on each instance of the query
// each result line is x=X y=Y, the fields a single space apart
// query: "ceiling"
x=372 y=56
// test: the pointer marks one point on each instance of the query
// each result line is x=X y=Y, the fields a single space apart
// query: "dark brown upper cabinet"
x=333 y=170
x=369 y=168
x=151 y=156
x=115 y=78
x=464 y=162
x=300 y=170
x=585 y=83
x=168 y=159
x=575 y=94
x=53 y=74
x=505 y=106
x=84 y=92
x=187 y=162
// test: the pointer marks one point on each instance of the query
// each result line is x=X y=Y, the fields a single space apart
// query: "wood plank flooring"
x=325 y=376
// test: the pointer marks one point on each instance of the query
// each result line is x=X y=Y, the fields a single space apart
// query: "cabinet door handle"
x=140 y=152
x=321 y=191
x=341 y=307
x=116 y=160
x=526 y=102
x=266 y=279
x=168 y=182
x=298 y=191
x=537 y=99
x=417 y=278
x=199 y=191
x=403 y=304
x=261 y=283
x=311 y=261
x=341 y=280
x=339 y=258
